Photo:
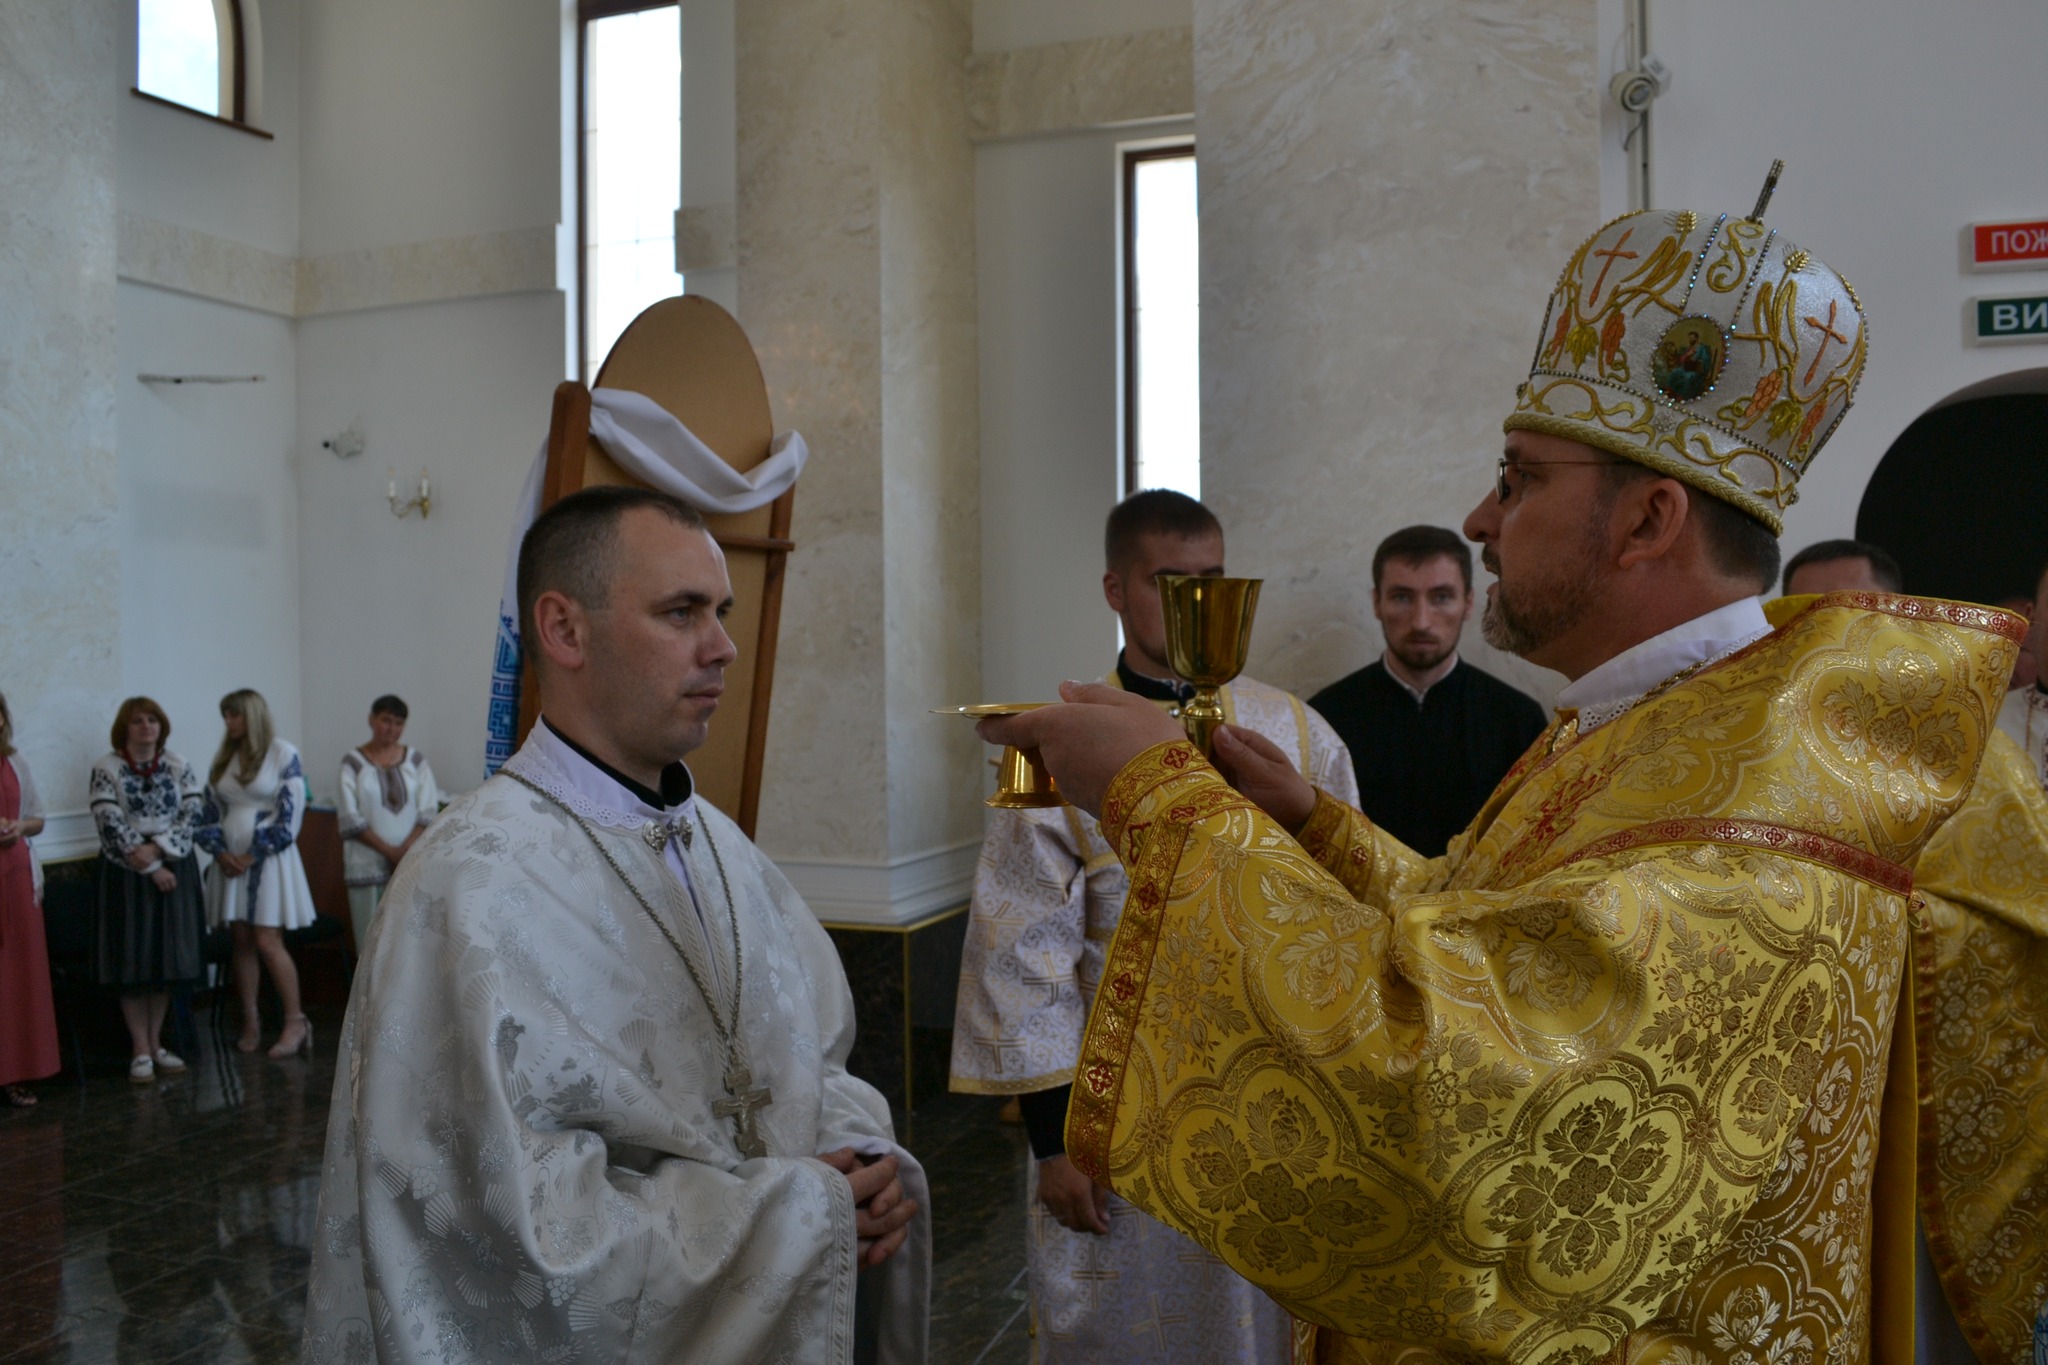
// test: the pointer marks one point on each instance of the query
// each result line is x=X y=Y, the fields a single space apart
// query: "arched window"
x=198 y=55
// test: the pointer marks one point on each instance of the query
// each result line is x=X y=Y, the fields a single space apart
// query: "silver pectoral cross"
x=745 y=1099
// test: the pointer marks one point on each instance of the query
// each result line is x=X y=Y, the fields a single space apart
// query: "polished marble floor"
x=170 y=1223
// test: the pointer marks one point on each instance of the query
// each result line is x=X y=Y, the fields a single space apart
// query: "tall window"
x=1162 y=322
x=189 y=52
x=631 y=166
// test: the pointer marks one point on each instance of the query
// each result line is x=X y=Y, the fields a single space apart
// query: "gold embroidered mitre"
x=1710 y=349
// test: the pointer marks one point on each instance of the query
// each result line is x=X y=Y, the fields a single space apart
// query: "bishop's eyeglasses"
x=1506 y=490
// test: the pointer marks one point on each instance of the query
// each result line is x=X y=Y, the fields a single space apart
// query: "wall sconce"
x=423 y=502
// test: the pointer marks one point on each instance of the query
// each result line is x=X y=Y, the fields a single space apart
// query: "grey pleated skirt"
x=145 y=939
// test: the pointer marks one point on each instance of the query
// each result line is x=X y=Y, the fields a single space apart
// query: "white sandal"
x=141 y=1070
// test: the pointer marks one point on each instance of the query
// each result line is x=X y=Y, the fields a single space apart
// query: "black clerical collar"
x=1151 y=689
x=676 y=783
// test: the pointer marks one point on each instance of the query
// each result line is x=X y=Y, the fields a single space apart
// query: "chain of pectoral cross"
x=744 y=1098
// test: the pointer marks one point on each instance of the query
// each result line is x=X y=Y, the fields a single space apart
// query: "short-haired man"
x=1609 y=1079
x=1842 y=566
x=592 y=1102
x=1109 y=1285
x=1429 y=734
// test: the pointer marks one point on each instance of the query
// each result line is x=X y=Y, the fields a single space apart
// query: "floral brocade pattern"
x=1984 y=1057
x=1573 y=1092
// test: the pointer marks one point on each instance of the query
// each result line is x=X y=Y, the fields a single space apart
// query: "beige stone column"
x=855 y=226
x=60 y=632
x=1388 y=191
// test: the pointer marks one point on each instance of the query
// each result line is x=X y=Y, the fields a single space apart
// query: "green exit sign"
x=2016 y=317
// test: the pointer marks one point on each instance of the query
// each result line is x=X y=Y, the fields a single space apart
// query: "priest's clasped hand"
x=881 y=1212
x=1087 y=742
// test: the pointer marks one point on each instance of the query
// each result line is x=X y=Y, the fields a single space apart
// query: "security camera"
x=1634 y=89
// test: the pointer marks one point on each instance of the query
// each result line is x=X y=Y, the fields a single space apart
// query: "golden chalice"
x=1208 y=635
x=1022 y=781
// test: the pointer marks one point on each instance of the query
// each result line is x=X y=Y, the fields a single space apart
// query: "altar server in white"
x=255 y=804
x=386 y=799
x=592 y=1102
x=1108 y=1283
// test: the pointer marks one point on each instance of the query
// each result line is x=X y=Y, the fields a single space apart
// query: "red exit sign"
x=2009 y=246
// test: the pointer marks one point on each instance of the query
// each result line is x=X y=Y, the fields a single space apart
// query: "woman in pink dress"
x=28 y=1023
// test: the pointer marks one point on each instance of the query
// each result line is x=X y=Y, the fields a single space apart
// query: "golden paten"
x=1022 y=779
x=1208 y=635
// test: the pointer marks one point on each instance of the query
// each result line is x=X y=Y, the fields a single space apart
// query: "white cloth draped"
x=644 y=439
x=523 y=1162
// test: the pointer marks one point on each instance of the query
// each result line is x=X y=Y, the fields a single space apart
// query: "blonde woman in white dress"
x=255 y=803
x=388 y=797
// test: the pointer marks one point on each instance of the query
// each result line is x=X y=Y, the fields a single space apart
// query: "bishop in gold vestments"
x=1607 y=1072
x=1617 y=1078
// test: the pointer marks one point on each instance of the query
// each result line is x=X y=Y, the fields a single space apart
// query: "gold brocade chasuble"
x=1983 y=959
x=1604 y=1082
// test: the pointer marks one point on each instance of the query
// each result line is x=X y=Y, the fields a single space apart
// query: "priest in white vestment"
x=593 y=1102
x=1108 y=1283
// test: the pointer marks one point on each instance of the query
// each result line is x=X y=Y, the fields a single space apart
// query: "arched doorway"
x=1961 y=498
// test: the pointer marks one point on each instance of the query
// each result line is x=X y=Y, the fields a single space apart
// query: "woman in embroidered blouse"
x=387 y=798
x=28 y=1022
x=148 y=922
x=255 y=803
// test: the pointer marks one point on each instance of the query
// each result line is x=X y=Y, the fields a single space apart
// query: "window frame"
x=234 y=37
x=588 y=11
x=1131 y=155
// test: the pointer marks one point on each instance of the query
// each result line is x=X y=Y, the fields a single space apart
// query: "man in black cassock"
x=1429 y=734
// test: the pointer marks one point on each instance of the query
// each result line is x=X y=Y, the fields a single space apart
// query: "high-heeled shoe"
x=305 y=1044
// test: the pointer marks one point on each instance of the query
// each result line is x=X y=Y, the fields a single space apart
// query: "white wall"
x=208 y=486
x=1047 y=246
x=408 y=606
x=1900 y=123
x=420 y=122
x=209 y=513
x=428 y=121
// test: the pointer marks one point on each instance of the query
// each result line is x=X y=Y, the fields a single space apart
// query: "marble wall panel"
x=810 y=298
x=930 y=426
x=59 y=552
x=1388 y=192
x=1090 y=83
x=484 y=263
x=856 y=284
x=172 y=256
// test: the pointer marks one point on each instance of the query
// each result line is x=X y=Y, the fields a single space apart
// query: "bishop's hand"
x=1255 y=766
x=1087 y=742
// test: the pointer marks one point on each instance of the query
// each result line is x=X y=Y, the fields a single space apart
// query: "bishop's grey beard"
x=1537 y=613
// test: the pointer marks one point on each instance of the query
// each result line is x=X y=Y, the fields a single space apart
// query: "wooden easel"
x=690 y=356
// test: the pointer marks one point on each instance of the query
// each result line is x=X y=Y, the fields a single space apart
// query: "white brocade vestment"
x=522 y=1159
x=1048 y=894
